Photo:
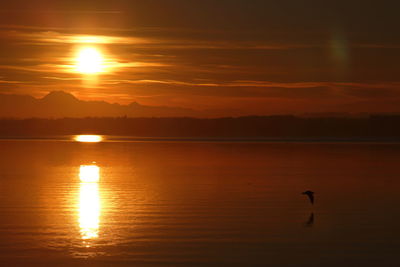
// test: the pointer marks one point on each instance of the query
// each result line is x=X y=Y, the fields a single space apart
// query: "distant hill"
x=59 y=104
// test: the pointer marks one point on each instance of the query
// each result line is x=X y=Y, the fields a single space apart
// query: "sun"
x=89 y=61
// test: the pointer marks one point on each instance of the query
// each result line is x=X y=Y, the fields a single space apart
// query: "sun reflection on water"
x=88 y=138
x=89 y=173
x=89 y=202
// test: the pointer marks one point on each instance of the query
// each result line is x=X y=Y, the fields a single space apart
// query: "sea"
x=153 y=202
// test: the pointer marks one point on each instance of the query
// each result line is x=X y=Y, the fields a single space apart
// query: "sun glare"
x=88 y=138
x=89 y=61
x=89 y=204
x=89 y=173
x=89 y=210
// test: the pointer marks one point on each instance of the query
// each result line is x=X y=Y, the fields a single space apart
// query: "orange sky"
x=243 y=57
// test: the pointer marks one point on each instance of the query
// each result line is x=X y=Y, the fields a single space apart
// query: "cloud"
x=252 y=83
x=378 y=46
x=146 y=38
x=11 y=82
x=63 y=78
x=51 y=37
x=259 y=88
x=185 y=65
x=383 y=90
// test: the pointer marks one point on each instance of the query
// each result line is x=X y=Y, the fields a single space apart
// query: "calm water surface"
x=198 y=204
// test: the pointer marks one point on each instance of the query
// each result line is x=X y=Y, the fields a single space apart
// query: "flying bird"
x=310 y=195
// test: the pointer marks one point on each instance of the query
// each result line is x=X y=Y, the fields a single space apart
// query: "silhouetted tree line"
x=244 y=127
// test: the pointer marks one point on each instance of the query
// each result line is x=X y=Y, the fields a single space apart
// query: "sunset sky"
x=241 y=56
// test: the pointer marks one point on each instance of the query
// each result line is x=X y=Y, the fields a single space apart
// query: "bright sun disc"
x=89 y=61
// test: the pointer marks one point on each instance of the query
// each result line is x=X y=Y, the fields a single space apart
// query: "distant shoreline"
x=70 y=138
x=375 y=129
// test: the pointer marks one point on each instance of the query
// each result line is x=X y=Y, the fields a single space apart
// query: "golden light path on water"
x=89 y=202
x=88 y=138
x=89 y=173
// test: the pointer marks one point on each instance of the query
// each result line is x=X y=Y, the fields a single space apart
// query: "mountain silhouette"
x=59 y=104
x=60 y=96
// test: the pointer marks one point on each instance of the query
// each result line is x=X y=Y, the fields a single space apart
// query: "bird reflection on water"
x=310 y=195
x=310 y=221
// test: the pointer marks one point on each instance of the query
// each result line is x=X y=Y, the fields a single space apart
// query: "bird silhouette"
x=310 y=195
